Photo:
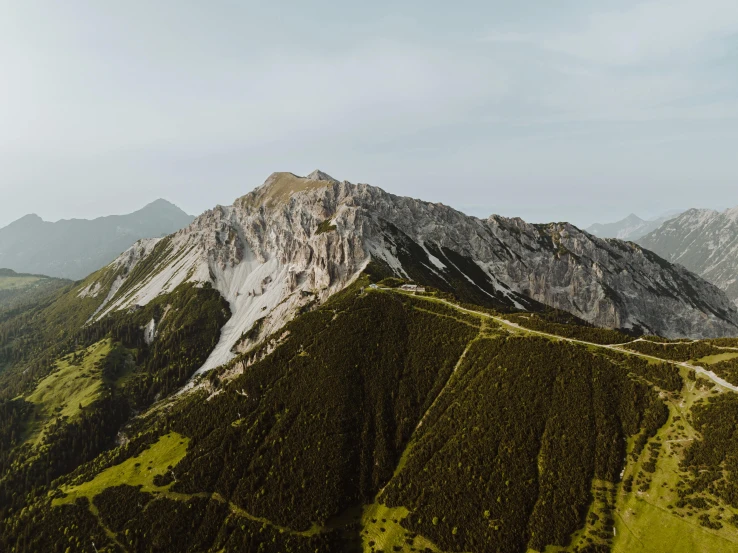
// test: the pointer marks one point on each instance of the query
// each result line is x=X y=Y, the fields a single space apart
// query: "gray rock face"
x=606 y=282
x=705 y=242
x=295 y=241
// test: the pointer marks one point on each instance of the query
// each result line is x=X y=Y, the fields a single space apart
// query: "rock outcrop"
x=705 y=242
x=295 y=241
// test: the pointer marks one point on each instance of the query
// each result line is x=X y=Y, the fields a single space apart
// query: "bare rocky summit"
x=704 y=241
x=295 y=241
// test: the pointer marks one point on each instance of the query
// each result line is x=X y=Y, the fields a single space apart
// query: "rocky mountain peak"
x=704 y=241
x=295 y=241
x=320 y=175
x=161 y=204
x=30 y=220
x=281 y=186
x=732 y=213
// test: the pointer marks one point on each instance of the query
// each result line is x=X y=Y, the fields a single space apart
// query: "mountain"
x=296 y=241
x=631 y=228
x=75 y=248
x=265 y=379
x=705 y=242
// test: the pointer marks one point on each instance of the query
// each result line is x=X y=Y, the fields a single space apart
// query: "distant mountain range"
x=705 y=242
x=77 y=247
x=631 y=228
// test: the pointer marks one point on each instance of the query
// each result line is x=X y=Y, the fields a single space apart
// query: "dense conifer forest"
x=43 y=436
x=379 y=421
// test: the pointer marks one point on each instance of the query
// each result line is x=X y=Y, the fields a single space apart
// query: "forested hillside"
x=69 y=387
x=20 y=291
x=379 y=421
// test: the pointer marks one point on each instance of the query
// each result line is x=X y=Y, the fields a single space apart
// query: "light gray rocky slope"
x=295 y=241
x=705 y=242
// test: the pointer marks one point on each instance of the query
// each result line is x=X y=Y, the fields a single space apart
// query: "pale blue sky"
x=567 y=110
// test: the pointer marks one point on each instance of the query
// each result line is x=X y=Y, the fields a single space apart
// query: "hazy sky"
x=566 y=110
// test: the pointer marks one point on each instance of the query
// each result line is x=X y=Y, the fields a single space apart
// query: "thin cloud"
x=502 y=37
x=200 y=103
x=649 y=32
x=384 y=86
x=652 y=61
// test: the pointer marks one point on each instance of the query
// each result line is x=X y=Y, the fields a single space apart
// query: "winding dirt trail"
x=616 y=347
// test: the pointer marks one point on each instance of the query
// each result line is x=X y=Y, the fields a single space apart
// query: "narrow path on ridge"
x=614 y=347
x=406 y=451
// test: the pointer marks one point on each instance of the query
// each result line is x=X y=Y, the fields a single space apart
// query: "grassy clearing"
x=712 y=359
x=646 y=528
x=17 y=282
x=136 y=471
x=382 y=531
x=648 y=520
x=72 y=385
